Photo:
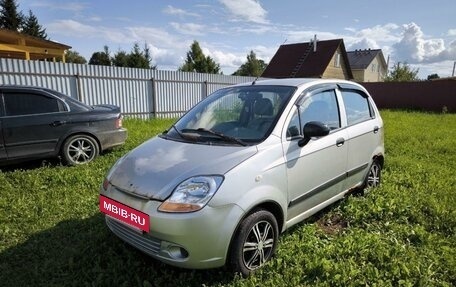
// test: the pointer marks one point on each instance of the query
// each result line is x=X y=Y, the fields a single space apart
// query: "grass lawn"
x=401 y=234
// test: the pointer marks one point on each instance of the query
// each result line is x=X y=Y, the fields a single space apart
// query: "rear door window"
x=19 y=104
x=357 y=107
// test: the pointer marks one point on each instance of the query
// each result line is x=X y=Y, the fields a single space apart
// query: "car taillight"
x=119 y=123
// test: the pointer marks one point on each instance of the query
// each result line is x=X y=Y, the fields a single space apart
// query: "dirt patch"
x=332 y=224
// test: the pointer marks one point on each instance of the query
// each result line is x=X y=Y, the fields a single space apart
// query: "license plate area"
x=136 y=219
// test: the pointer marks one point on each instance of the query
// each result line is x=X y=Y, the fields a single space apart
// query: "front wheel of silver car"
x=79 y=149
x=254 y=243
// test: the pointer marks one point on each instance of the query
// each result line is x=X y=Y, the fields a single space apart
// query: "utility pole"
x=454 y=66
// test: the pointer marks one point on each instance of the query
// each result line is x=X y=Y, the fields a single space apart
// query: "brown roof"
x=300 y=61
x=361 y=59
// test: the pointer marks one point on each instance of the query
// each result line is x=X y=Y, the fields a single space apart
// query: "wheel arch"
x=380 y=158
x=74 y=133
x=271 y=206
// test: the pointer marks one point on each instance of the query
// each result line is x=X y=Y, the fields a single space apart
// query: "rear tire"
x=79 y=149
x=254 y=243
x=374 y=176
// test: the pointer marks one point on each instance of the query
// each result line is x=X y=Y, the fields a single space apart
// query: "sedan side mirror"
x=313 y=129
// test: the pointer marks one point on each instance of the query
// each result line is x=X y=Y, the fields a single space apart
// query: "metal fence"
x=436 y=96
x=141 y=93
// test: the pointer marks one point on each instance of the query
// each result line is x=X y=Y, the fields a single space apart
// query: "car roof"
x=33 y=88
x=298 y=82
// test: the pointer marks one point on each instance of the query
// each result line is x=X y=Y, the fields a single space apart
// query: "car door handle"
x=376 y=129
x=57 y=123
x=340 y=142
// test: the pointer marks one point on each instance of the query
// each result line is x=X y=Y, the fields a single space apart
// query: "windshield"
x=238 y=115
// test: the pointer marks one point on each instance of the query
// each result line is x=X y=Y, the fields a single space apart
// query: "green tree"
x=148 y=56
x=74 y=57
x=120 y=59
x=10 y=18
x=433 y=76
x=32 y=27
x=101 y=58
x=136 y=58
x=402 y=73
x=196 y=61
x=253 y=67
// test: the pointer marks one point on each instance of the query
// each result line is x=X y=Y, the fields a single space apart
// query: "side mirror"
x=313 y=129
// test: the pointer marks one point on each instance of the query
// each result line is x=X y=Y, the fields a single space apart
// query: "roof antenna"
x=254 y=81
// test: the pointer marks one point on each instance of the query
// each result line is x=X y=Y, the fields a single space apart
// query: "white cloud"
x=363 y=43
x=306 y=36
x=178 y=12
x=72 y=27
x=452 y=32
x=60 y=5
x=380 y=33
x=157 y=37
x=246 y=10
x=415 y=48
x=188 y=28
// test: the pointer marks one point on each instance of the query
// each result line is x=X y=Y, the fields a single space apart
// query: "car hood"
x=156 y=167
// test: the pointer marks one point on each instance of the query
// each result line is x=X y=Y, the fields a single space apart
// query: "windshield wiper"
x=181 y=134
x=217 y=134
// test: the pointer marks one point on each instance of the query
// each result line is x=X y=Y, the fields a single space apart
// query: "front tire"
x=254 y=243
x=79 y=149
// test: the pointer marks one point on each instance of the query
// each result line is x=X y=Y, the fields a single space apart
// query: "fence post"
x=205 y=90
x=79 y=88
x=154 y=98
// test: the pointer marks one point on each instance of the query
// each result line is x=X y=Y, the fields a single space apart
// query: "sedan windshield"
x=233 y=116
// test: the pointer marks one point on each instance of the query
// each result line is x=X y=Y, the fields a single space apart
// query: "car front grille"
x=143 y=242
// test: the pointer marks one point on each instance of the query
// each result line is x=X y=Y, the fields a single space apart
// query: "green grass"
x=401 y=234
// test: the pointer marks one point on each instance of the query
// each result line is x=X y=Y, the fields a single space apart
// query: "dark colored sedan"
x=41 y=123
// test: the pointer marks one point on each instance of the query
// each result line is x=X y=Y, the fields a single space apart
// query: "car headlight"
x=192 y=194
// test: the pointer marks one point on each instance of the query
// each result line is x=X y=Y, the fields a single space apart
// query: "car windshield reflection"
x=235 y=116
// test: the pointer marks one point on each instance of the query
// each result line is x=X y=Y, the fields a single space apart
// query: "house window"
x=373 y=68
x=337 y=60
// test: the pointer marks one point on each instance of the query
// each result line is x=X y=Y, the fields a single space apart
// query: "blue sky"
x=422 y=33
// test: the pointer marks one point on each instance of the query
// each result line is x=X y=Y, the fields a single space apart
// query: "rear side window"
x=18 y=104
x=357 y=107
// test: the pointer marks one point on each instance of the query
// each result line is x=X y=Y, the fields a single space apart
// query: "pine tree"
x=32 y=27
x=101 y=58
x=120 y=59
x=136 y=59
x=196 y=61
x=10 y=18
x=253 y=67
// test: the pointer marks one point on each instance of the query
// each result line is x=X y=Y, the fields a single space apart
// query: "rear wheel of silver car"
x=254 y=242
x=80 y=149
x=374 y=175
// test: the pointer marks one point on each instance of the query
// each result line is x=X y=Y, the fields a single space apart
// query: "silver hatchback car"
x=242 y=166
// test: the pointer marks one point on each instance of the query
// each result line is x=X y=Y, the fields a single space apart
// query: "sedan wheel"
x=80 y=149
x=374 y=175
x=255 y=242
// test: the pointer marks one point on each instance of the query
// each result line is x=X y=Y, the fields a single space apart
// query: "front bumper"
x=197 y=240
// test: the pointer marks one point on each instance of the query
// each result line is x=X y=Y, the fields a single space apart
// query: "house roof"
x=299 y=60
x=15 y=45
x=361 y=59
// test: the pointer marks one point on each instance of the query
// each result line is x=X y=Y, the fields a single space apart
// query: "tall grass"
x=401 y=234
